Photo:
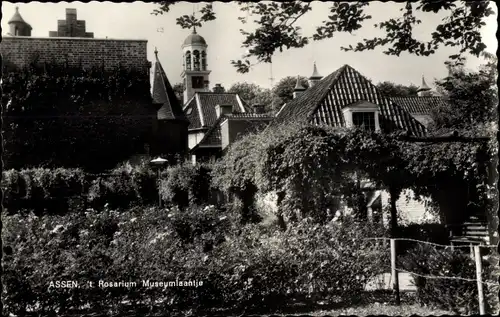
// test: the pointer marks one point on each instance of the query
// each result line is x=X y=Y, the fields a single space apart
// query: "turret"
x=315 y=77
x=17 y=25
x=424 y=90
x=298 y=88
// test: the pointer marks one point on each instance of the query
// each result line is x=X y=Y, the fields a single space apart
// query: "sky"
x=135 y=21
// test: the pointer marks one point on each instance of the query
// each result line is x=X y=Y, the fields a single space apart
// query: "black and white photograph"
x=249 y=158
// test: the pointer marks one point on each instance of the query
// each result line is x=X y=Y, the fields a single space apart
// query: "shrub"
x=454 y=295
x=187 y=184
x=60 y=190
x=240 y=268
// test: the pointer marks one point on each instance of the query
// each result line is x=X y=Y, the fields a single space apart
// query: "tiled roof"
x=419 y=105
x=213 y=135
x=164 y=94
x=202 y=113
x=322 y=104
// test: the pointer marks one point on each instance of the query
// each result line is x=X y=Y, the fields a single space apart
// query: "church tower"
x=194 y=73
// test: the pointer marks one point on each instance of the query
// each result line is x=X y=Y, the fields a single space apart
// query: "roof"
x=17 y=17
x=419 y=105
x=315 y=74
x=200 y=110
x=424 y=86
x=322 y=104
x=164 y=94
x=195 y=38
x=213 y=136
x=298 y=85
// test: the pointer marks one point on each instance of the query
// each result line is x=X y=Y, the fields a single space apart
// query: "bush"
x=187 y=184
x=430 y=232
x=41 y=189
x=57 y=191
x=454 y=295
x=240 y=269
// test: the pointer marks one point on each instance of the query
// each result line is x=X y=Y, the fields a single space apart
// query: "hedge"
x=57 y=191
x=242 y=269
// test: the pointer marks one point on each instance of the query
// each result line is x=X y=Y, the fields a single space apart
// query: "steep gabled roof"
x=164 y=95
x=200 y=110
x=419 y=105
x=322 y=104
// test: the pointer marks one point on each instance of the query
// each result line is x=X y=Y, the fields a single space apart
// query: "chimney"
x=315 y=77
x=258 y=108
x=223 y=110
x=298 y=88
x=219 y=89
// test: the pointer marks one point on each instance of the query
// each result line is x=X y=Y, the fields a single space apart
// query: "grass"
x=381 y=309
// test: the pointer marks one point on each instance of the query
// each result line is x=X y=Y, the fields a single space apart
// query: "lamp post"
x=158 y=163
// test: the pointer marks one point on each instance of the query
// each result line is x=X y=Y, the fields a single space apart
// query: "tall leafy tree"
x=472 y=98
x=390 y=89
x=179 y=92
x=253 y=94
x=277 y=28
x=283 y=91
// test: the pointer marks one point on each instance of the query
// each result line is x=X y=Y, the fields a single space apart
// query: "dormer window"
x=364 y=120
x=362 y=114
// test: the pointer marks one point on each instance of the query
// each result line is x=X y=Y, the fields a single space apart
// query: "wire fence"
x=475 y=252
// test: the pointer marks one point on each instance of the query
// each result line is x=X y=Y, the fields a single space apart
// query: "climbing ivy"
x=61 y=116
x=308 y=166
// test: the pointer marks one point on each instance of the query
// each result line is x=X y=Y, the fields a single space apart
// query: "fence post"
x=479 y=269
x=394 y=272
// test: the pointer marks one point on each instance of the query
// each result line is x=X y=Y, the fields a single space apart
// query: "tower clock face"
x=197 y=82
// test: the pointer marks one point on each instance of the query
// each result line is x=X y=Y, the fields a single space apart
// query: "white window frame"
x=362 y=106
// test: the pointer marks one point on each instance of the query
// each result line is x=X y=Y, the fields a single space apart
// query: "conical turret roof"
x=424 y=86
x=17 y=17
x=298 y=85
x=315 y=74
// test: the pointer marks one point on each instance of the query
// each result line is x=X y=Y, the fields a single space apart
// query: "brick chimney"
x=223 y=109
x=219 y=89
x=258 y=108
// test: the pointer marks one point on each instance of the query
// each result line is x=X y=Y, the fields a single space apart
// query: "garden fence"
x=475 y=252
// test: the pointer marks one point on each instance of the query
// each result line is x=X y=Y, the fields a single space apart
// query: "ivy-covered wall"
x=56 y=115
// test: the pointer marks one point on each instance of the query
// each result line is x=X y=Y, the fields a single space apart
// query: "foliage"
x=187 y=184
x=309 y=167
x=57 y=191
x=124 y=187
x=471 y=100
x=277 y=30
x=253 y=94
x=455 y=295
x=238 y=271
x=390 y=89
x=283 y=90
x=83 y=107
x=179 y=92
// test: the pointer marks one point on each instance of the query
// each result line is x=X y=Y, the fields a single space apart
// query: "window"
x=203 y=60
x=189 y=111
x=196 y=60
x=364 y=120
x=197 y=82
x=188 y=60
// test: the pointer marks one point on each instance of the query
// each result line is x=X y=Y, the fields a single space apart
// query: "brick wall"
x=90 y=52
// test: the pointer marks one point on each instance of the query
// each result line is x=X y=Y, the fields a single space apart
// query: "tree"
x=253 y=94
x=219 y=89
x=276 y=27
x=283 y=91
x=179 y=92
x=390 y=89
x=471 y=99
